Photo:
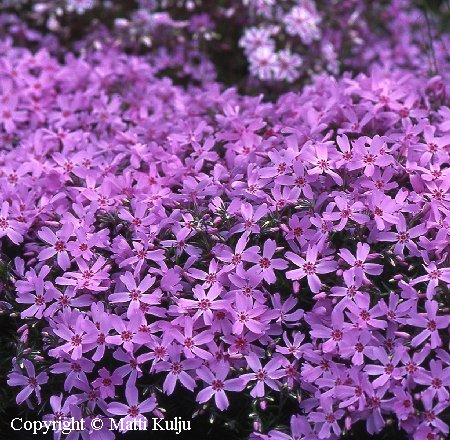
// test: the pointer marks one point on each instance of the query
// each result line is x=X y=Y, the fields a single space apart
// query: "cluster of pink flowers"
x=224 y=245
x=299 y=24
x=292 y=40
x=281 y=42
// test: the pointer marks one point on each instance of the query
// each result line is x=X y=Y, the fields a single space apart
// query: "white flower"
x=303 y=20
x=263 y=63
x=287 y=66
x=80 y=6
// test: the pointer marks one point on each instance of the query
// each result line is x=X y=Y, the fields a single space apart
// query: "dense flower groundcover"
x=162 y=232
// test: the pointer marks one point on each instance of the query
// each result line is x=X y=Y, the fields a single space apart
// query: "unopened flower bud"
x=121 y=23
x=348 y=423
x=257 y=426
x=158 y=413
x=24 y=336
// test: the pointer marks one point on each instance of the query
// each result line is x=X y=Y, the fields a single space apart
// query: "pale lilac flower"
x=30 y=383
x=435 y=379
x=433 y=276
x=327 y=419
x=388 y=370
x=303 y=20
x=177 y=370
x=403 y=237
x=133 y=411
x=106 y=383
x=263 y=63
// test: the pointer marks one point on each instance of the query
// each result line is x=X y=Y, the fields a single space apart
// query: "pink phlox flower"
x=250 y=218
x=217 y=385
x=293 y=348
x=362 y=315
x=288 y=313
x=310 y=267
x=431 y=323
x=322 y=163
x=234 y=259
x=300 y=230
x=358 y=264
x=436 y=380
x=299 y=179
x=266 y=264
x=247 y=283
x=283 y=196
x=73 y=369
x=431 y=412
x=136 y=294
x=88 y=277
x=9 y=227
x=211 y=277
x=404 y=236
x=127 y=331
x=205 y=303
x=178 y=370
x=181 y=242
x=97 y=329
x=74 y=337
x=433 y=276
x=36 y=291
x=346 y=211
x=248 y=315
x=58 y=244
x=267 y=375
x=190 y=340
x=373 y=156
x=140 y=220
